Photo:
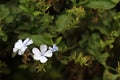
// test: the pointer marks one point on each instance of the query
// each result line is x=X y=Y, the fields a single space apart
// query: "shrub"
x=84 y=35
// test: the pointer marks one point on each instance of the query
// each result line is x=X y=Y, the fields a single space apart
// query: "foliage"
x=87 y=33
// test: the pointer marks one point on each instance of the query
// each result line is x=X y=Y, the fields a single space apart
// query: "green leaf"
x=37 y=39
x=36 y=13
x=102 y=58
x=63 y=23
x=24 y=8
x=24 y=1
x=58 y=40
x=9 y=19
x=102 y=4
x=3 y=35
x=13 y=55
x=115 y=34
x=4 y=12
x=94 y=42
x=23 y=66
x=115 y=1
x=41 y=39
x=64 y=60
x=24 y=35
x=109 y=76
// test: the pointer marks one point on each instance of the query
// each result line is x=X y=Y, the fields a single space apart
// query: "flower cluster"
x=38 y=54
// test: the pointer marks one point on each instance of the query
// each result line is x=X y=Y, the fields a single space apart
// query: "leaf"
x=4 y=12
x=102 y=58
x=36 y=13
x=3 y=35
x=115 y=34
x=24 y=8
x=24 y=35
x=23 y=66
x=102 y=4
x=58 y=40
x=64 y=60
x=37 y=39
x=115 y=1
x=94 y=42
x=109 y=76
x=24 y=1
x=9 y=19
x=63 y=23
x=41 y=39
x=13 y=55
x=62 y=46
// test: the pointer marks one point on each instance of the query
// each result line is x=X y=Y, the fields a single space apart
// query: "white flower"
x=54 y=48
x=20 y=46
x=42 y=54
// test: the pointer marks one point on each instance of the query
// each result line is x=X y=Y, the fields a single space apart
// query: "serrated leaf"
x=101 y=4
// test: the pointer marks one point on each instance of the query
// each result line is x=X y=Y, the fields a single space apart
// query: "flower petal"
x=43 y=59
x=54 y=49
x=43 y=48
x=50 y=48
x=36 y=57
x=23 y=48
x=18 y=44
x=27 y=41
x=15 y=49
x=48 y=53
x=20 y=52
x=36 y=51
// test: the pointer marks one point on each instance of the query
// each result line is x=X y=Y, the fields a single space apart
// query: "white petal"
x=55 y=48
x=20 y=52
x=27 y=41
x=15 y=49
x=36 y=52
x=48 y=53
x=43 y=59
x=43 y=48
x=18 y=44
x=36 y=57
x=23 y=48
